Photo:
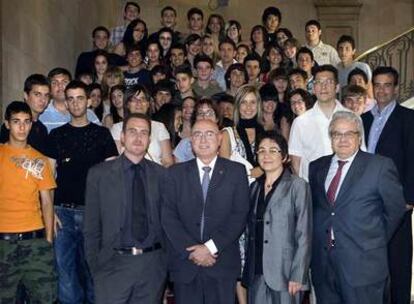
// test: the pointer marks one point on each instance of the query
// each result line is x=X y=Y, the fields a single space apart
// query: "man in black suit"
x=123 y=235
x=358 y=204
x=389 y=132
x=203 y=221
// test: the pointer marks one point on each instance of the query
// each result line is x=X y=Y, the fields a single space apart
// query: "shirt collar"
x=350 y=159
x=338 y=107
x=128 y=164
x=200 y=164
x=386 y=111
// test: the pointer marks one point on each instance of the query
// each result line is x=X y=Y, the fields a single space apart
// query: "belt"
x=37 y=234
x=70 y=206
x=137 y=251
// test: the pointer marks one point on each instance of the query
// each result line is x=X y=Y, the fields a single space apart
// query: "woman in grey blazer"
x=279 y=229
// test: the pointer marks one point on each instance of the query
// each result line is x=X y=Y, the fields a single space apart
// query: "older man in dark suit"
x=389 y=131
x=358 y=204
x=123 y=235
x=205 y=212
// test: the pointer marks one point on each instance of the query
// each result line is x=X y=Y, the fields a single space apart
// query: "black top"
x=130 y=237
x=141 y=77
x=76 y=149
x=260 y=211
x=37 y=137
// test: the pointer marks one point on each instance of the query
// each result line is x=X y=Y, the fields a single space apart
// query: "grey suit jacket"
x=105 y=208
x=287 y=234
x=367 y=211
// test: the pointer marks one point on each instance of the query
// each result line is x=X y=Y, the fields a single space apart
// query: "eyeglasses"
x=324 y=82
x=297 y=101
x=271 y=151
x=346 y=135
x=208 y=135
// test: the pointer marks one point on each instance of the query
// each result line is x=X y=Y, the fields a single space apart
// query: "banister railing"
x=398 y=53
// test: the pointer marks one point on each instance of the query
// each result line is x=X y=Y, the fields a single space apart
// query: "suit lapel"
x=322 y=175
x=119 y=178
x=218 y=174
x=367 y=121
x=389 y=128
x=280 y=189
x=194 y=180
x=353 y=174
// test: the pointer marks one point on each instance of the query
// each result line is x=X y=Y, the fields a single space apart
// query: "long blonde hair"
x=239 y=98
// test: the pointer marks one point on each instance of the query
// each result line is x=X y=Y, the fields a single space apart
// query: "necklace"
x=268 y=185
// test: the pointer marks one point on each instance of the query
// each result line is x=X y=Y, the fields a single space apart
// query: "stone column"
x=338 y=17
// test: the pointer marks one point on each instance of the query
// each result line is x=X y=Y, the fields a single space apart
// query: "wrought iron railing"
x=398 y=53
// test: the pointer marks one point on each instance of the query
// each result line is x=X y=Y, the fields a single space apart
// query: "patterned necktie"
x=333 y=186
x=204 y=186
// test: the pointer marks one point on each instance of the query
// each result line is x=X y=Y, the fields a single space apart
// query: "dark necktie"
x=333 y=186
x=204 y=186
x=139 y=214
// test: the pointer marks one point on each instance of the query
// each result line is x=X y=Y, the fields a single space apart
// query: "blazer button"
x=266 y=241
x=333 y=213
x=327 y=230
x=267 y=222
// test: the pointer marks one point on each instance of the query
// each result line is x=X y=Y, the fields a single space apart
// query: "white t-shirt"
x=309 y=136
x=158 y=134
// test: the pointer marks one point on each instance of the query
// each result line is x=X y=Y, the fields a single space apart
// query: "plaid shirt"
x=117 y=33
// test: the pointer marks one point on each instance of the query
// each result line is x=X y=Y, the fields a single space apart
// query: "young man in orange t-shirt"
x=26 y=213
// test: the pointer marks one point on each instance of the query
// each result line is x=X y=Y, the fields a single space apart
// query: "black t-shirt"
x=37 y=137
x=76 y=149
x=142 y=77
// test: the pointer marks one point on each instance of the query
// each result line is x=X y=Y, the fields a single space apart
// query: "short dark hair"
x=325 y=68
x=16 y=107
x=222 y=97
x=164 y=85
x=160 y=69
x=138 y=116
x=346 y=38
x=77 y=84
x=194 y=10
x=203 y=58
x=357 y=71
x=35 y=79
x=278 y=139
x=298 y=71
x=304 y=50
x=228 y=41
x=199 y=103
x=306 y=96
x=235 y=66
x=184 y=69
x=168 y=8
x=133 y=48
x=252 y=57
x=269 y=92
x=278 y=73
x=58 y=71
x=292 y=42
x=178 y=46
x=313 y=22
x=100 y=29
x=133 y=3
x=192 y=38
x=271 y=10
x=133 y=91
x=386 y=70
x=285 y=31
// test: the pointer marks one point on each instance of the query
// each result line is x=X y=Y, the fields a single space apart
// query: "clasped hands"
x=201 y=256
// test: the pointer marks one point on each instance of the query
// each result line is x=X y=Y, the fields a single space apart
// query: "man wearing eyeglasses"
x=389 y=132
x=203 y=216
x=309 y=137
x=358 y=204
x=123 y=239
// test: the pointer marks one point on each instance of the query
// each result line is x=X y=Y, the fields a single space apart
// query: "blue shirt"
x=52 y=118
x=380 y=119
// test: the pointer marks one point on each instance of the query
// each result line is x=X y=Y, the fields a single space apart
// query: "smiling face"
x=248 y=106
x=196 y=23
x=241 y=53
x=117 y=98
x=101 y=65
x=214 y=25
x=345 y=138
x=153 y=52
x=96 y=98
x=38 y=98
x=237 y=79
x=233 y=33
x=325 y=87
x=204 y=71
x=384 y=89
x=188 y=108
x=139 y=32
x=205 y=139
x=138 y=104
x=269 y=156
x=208 y=46
x=297 y=104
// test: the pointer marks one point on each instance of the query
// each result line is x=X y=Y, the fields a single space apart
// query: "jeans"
x=74 y=278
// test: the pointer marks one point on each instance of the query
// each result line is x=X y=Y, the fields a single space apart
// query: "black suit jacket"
x=226 y=209
x=397 y=142
x=105 y=207
x=367 y=211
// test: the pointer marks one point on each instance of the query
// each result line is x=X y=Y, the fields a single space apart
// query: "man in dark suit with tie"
x=389 y=131
x=204 y=214
x=123 y=235
x=358 y=204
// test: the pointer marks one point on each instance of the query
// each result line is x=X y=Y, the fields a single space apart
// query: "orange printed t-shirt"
x=23 y=173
